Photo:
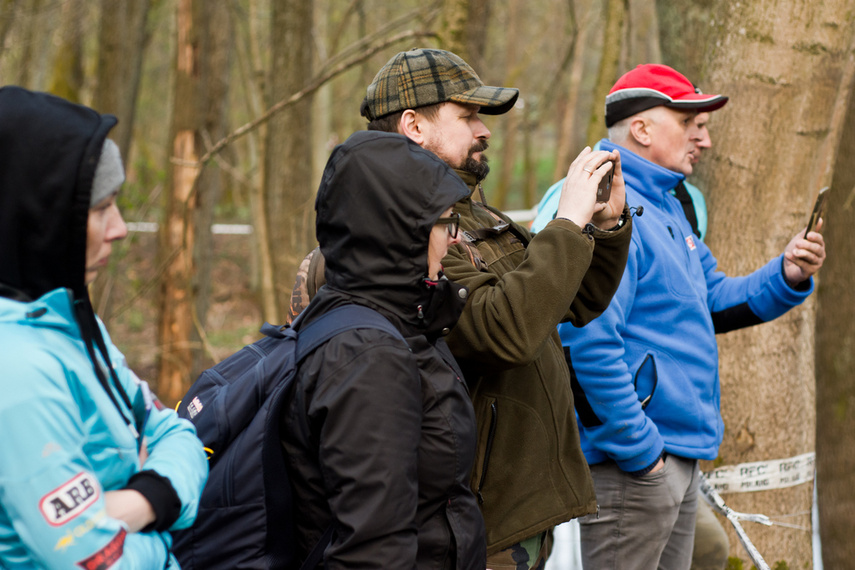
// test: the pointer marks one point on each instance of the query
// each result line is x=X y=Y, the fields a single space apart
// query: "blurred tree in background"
x=228 y=111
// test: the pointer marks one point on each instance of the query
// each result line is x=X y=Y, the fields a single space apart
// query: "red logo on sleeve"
x=107 y=556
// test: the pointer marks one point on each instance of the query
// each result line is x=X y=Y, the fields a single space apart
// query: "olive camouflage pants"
x=529 y=554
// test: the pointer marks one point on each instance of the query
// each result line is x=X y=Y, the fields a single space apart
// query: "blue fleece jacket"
x=648 y=366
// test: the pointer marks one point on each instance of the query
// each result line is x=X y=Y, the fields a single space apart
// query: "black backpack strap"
x=685 y=199
x=499 y=228
x=317 y=553
x=339 y=320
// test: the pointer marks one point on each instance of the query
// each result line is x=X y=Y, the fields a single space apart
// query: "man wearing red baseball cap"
x=645 y=373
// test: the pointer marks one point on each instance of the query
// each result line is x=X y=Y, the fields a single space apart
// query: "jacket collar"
x=648 y=179
x=470 y=179
x=54 y=309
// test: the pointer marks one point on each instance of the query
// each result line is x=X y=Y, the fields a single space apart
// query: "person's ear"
x=412 y=125
x=640 y=130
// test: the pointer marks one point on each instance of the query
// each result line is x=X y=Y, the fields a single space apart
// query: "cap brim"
x=492 y=100
x=699 y=102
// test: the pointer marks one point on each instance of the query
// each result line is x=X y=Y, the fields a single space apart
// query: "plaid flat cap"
x=421 y=77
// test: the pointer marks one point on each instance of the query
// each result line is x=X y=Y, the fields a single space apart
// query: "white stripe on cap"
x=637 y=92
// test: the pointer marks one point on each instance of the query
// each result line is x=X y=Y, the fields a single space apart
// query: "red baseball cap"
x=651 y=85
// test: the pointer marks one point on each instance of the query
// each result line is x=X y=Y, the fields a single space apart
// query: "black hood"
x=49 y=149
x=379 y=198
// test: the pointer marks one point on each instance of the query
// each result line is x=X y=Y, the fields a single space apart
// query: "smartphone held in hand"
x=604 y=190
x=817 y=210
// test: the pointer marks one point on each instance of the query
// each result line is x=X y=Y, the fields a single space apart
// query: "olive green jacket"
x=529 y=472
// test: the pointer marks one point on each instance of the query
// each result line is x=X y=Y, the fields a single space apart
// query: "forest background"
x=228 y=110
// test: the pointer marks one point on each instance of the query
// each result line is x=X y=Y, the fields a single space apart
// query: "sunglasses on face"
x=452 y=224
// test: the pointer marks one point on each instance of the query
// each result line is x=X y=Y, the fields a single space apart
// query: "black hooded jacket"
x=380 y=436
x=57 y=145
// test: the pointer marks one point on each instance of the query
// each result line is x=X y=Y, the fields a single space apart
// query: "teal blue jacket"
x=65 y=445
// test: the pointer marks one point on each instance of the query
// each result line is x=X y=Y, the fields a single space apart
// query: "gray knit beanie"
x=109 y=174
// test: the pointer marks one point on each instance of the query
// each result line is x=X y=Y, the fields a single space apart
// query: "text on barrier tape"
x=763 y=475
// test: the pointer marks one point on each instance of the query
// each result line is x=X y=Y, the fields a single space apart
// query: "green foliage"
x=229 y=340
x=734 y=563
x=135 y=319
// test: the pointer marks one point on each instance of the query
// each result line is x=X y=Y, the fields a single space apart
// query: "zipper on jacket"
x=491 y=434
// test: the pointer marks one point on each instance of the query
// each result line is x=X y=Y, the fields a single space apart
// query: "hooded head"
x=49 y=152
x=54 y=165
x=380 y=196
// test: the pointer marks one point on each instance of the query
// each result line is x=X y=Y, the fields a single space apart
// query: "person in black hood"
x=379 y=435
x=93 y=470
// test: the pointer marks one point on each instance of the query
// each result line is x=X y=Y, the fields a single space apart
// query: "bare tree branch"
x=313 y=86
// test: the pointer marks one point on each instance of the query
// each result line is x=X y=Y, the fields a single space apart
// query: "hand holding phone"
x=817 y=210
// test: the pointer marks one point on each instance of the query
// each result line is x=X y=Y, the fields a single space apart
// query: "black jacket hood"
x=49 y=150
x=379 y=198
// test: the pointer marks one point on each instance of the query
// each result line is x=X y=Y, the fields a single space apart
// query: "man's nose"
x=480 y=130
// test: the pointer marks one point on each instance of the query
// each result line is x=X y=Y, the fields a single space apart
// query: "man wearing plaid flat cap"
x=645 y=373
x=529 y=472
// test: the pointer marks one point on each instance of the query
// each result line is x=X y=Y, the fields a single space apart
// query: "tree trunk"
x=835 y=361
x=289 y=186
x=608 y=73
x=463 y=30
x=121 y=39
x=788 y=71
x=642 y=43
x=34 y=52
x=122 y=36
x=249 y=53
x=453 y=29
x=477 y=26
x=66 y=78
x=176 y=235
x=201 y=88
x=686 y=34
x=216 y=39
x=567 y=126
x=509 y=123
x=8 y=9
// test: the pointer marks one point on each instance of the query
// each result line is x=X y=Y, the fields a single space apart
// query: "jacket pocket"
x=645 y=381
x=486 y=434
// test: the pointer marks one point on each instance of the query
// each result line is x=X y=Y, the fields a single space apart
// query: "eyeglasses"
x=453 y=223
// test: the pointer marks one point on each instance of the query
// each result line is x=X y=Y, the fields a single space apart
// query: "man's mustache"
x=479 y=146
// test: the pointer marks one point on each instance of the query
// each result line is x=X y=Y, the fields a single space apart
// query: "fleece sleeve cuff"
x=159 y=492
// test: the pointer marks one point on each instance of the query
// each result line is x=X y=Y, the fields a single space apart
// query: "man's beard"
x=479 y=168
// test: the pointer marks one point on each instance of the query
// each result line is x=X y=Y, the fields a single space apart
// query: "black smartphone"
x=817 y=209
x=604 y=190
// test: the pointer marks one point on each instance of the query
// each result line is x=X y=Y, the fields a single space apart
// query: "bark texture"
x=201 y=88
x=835 y=362
x=121 y=39
x=616 y=11
x=787 y=68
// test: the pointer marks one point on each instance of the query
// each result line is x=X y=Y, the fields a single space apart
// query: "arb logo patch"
x=70 y=499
